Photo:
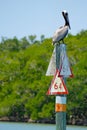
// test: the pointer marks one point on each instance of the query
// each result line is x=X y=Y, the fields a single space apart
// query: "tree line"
x=23 y=83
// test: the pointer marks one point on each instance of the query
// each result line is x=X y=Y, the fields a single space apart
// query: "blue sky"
x=28 y=17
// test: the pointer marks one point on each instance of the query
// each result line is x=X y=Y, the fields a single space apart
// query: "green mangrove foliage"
x=23 y=84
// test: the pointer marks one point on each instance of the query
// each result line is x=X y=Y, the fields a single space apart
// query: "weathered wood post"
x=60 y=106
x=60 y=68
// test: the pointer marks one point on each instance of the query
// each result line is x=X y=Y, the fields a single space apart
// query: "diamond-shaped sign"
x=65 y=69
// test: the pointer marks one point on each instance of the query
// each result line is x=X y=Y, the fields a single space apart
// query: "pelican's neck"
x=66 y=21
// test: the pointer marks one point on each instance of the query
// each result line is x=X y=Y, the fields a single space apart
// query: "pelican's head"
x=65 y=15
x=64 y=11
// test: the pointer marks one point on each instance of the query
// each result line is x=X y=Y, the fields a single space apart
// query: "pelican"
x=61 y=33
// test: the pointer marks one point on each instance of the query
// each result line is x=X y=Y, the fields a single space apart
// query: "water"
x=27 y=126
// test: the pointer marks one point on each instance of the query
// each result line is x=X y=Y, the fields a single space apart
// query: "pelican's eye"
x=66 y=13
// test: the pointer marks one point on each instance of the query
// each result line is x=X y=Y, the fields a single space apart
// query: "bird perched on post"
x=61 y=33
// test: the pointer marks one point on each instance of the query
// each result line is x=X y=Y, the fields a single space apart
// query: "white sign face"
x=57 y=86
x=52 y=65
